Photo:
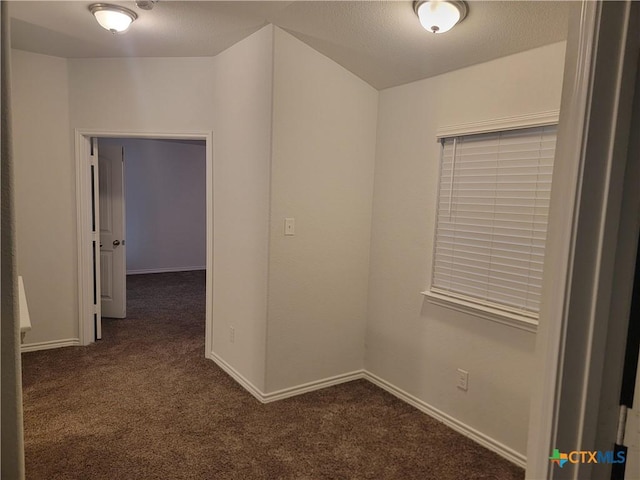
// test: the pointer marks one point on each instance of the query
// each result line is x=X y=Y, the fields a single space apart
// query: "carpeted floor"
x=143 y=403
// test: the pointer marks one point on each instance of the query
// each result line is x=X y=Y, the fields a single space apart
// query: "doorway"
x=88 y=201
x=155 y=191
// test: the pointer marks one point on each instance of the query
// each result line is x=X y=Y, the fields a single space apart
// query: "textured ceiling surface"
x=380 y=41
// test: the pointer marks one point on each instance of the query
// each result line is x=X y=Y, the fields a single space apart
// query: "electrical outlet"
x=232 y=334
x=463 y=380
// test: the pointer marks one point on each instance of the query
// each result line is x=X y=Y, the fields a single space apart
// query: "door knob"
x=116 y=243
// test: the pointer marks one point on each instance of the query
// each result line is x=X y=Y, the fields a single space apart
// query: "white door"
x=112 y=231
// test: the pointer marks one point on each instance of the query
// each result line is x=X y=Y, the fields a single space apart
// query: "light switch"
x=289 y=226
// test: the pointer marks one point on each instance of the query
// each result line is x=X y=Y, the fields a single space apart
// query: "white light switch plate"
x=289 y=226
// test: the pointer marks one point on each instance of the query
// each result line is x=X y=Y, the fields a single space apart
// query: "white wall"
x=415 y=345
x=165 y=192
x=45 y=195
x=242 y=86
x=172 y=95
x=322 y=175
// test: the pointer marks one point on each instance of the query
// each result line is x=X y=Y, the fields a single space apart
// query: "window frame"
x=477 y=307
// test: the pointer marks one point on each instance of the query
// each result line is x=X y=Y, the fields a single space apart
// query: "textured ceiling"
x=380 y=41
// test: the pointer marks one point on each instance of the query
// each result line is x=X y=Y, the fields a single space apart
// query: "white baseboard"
x=143 y=271
x=311 y=386
x=33 y=347
x=287 y=392
x=460 y=427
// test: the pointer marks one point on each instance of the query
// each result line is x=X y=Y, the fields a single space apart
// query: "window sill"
x=515 y=320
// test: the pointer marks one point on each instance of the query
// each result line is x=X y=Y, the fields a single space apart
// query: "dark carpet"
x=143 y=403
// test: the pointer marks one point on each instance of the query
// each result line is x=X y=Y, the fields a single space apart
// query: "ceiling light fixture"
x=114 y=18
x=439 y=16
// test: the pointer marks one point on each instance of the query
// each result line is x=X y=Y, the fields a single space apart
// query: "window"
x=491 y=222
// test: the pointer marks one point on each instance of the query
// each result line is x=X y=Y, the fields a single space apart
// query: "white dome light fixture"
x=439 y=16
x=114 y=18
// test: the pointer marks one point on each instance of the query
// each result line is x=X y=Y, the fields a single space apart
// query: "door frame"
x=84 y=200
x=593 y=231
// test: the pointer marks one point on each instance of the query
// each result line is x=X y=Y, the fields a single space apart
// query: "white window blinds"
x=493 y=204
